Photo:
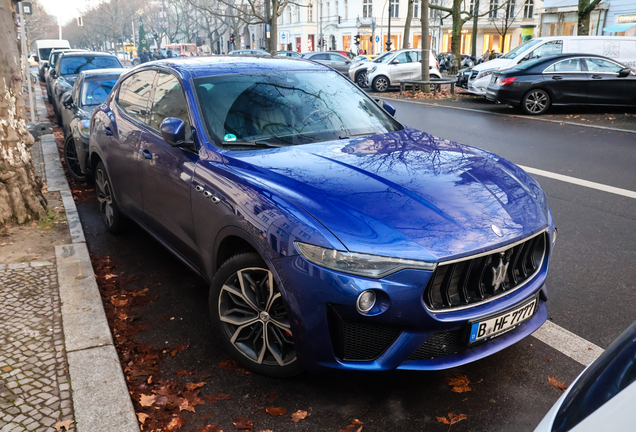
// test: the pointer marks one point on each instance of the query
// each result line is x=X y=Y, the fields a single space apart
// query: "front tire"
x=136 y=62
x=250 y=317
x=73 y=166
x=108 y=207
x=361 y=79
x=380 y=84
x=535 y=102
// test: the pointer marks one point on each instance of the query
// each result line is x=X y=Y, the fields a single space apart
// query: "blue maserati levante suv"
x=332 y=236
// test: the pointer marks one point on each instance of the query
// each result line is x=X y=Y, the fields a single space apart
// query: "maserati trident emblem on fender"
x=499 y=273
x=497 y=230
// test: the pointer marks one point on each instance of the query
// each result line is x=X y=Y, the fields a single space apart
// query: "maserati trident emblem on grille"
x=499 y=273
x=497 y=230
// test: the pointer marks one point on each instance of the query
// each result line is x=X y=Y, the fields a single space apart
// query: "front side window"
x=95 y=91
x=288 y=108
x=602 y=65
x=169 y=101
x=552 y=47
x=74 y=65
x=134 y=94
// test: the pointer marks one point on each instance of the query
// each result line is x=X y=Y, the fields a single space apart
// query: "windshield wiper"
x=252 y=143
x=355 y=135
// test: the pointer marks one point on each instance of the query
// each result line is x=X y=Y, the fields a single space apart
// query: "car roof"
x=87 y=54
x=554 y=57
x=197 y=67
x=103 y=72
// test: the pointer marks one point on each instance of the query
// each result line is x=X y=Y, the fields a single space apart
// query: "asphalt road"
x=591 y=286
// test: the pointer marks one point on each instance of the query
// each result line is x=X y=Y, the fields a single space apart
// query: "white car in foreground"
x=603 y=397
x=397 y=66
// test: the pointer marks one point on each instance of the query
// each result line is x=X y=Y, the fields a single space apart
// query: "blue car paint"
x=404 y=194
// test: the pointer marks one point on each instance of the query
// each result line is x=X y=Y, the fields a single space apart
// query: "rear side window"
x=169 y=101
x=134 y=94
x=570 y=65
x=336 y=57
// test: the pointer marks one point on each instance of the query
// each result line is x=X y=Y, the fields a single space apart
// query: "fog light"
x=366 y=301
x=554 y=236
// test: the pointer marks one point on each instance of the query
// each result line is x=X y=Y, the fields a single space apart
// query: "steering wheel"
x=314 y=112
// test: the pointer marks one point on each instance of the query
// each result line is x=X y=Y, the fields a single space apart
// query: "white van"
x=43 y=48
x=620 y=48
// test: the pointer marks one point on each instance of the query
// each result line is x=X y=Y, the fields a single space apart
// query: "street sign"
x=27 y=8
x=377 y=38
x=283 y=37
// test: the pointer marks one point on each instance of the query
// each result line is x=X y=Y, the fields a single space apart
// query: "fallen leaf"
x=110 y=276
x=142 y=417
x=118 y=302
x=272 y=396
x=211 y=428
x=86 y=309
x=452 y=419
x=181 y=373
x=558 y=384
x=65 y=424
x=175 y=424
x=6 y=369
x=298 y=416
x=459 y=383
x=354 y=423
x=276 y=411
x=192 y=386
x=242 y=423
x=147 y=400
x=185 y=406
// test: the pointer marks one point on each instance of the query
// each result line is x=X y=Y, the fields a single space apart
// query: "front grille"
x=354 y=341
x=474 y=280
x=440 y=345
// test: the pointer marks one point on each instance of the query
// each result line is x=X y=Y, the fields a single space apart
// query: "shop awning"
x=616 y=28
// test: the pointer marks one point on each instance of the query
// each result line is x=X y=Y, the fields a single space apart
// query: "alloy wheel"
x=361 y=79
x=381 y=84
x=104 y=197
x=254 y=318
x=536 y=102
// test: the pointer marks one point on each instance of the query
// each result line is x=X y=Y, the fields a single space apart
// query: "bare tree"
x=21 y=198
x=40 y=25
x=585 y=9
x=509 y=15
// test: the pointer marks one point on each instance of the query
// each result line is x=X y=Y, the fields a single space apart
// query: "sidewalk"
x=59 y=369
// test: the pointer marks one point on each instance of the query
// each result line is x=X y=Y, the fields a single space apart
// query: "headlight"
x=485 y=73
x=373 y=69
x=84 y=127
x=373 y=266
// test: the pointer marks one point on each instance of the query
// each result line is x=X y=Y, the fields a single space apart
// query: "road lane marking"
x=609 y=128
x=580 y=182
x=568 y=343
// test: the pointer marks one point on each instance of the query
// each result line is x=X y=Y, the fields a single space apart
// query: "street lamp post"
x=388 y=36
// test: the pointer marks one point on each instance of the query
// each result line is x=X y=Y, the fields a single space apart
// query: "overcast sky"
x=66 y=10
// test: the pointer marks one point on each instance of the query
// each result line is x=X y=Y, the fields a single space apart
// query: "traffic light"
x=357 y=39
x=232 y=37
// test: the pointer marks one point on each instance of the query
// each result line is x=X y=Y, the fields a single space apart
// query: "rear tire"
x=380 y=84
x=250 y=317
x=535 y=102
x=108 y=208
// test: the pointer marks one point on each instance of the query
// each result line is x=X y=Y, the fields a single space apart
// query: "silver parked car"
x=334 y=60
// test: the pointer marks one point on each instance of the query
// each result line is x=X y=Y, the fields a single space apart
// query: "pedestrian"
x=169 y=53
x=144 y=57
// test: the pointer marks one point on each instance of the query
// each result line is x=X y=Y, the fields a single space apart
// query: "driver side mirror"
x=396 y=61
x=387 y=107
x=624 y=72
x=173 y=131
x=67 y=100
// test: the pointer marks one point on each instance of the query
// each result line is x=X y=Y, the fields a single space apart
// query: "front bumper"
x=479 y=86
x=325 y=320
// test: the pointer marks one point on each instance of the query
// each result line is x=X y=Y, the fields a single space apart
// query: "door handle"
x=597 y=77
x=107 y=130
x=557 y=77
x=146 y=153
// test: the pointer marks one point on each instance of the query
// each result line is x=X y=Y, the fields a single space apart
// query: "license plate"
x=500 y=324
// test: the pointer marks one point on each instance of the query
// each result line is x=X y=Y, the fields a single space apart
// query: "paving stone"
x=32 y=392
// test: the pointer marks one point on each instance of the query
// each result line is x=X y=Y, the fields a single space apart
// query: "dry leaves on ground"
x=459 y=384
x=211 y=428
x=558 y=384
x=175 y=424
x=193 y=386
x=352 y=427
x=452 y=419
x=63 y=424
x=298 y=416
x=147 y=400
x=276 y=411
x=142 y=417
x=242 y=423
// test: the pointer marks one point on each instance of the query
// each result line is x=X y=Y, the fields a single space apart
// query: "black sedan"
x=564 y=79
x=68 y=67
x=90 y=90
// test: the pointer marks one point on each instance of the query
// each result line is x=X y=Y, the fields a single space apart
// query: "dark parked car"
x=55 y=54
x=288 y=54
x=463 y=76
x=332 y=236
x=91 y=88
x=68 y=68
x=331 y=59
x=252 y=52
x=564 y=79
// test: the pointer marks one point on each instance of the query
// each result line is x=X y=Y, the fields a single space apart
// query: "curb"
x=100 y=396
x=512 y=115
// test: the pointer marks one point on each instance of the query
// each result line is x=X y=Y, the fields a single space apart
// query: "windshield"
x=288 y=107
x=518 y=50
x=382 y=58
x=96 y=91
x=74 y=65
x=45 y=53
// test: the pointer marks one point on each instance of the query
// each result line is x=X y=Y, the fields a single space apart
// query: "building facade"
x=315 y=25
x=613 y=18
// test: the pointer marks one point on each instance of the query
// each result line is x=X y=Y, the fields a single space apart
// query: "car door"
x=605 y=86
x=414 y=69
x=339 y=63
x=322 y=58
x=399 y=67
x=567 y=80
x=120 y=143
x=166 y=171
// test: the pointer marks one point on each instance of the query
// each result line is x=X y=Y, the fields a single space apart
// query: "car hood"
x=406 y=194
x=499 y=63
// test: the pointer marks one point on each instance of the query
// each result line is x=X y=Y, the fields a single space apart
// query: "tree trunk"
x=21 y=198
x=458 y=23
x=273 y=27
x=583 y=26
x=426 y=46
x=407 y=25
